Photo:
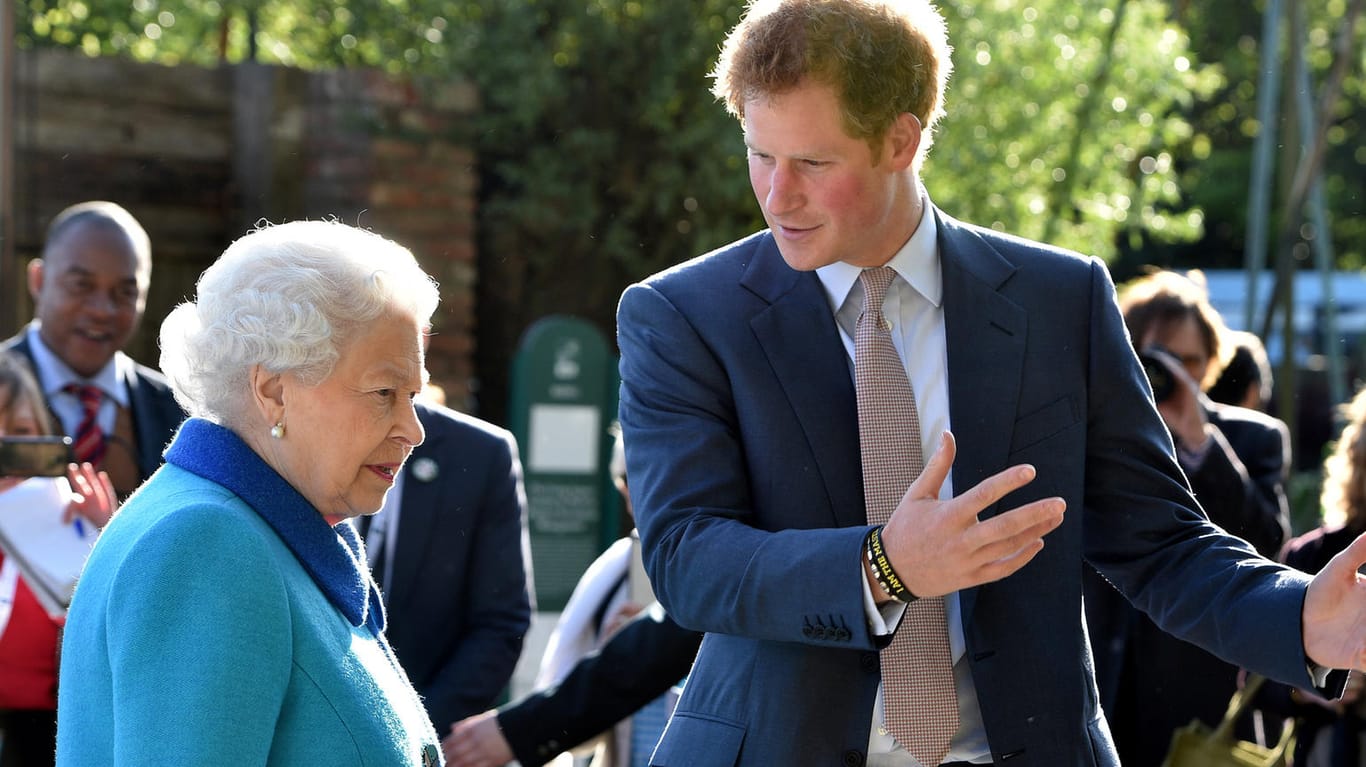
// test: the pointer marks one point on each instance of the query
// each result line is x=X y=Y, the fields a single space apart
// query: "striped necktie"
x=89 y=444
x=919 y=699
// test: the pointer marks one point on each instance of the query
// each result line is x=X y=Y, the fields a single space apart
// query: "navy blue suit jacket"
x=740 y=423
x=459 y=596
x=155 y=414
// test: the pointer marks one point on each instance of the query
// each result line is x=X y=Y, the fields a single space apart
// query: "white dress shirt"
x=914 y=307
x=53 y=375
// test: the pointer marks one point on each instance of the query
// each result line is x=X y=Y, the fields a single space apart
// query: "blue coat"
x=221 y=621
x=741 y=436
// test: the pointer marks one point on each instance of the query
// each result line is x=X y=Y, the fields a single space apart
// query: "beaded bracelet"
x=882 y=569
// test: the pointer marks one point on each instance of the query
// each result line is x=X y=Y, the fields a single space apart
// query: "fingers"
x=94 y=499
x=936 y=469
x=992 y=489
x=1352 y=557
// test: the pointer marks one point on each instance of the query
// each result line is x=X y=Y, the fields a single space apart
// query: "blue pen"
x=80 y=528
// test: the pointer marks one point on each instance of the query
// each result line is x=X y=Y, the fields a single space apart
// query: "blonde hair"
x=18 y=386
x=884 y=58
x=1343 y=499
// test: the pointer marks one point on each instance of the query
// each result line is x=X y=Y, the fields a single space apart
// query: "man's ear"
x=903 y=140
x=268 y=394
x=35 y=277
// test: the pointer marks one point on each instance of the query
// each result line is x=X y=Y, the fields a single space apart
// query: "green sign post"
x=563 y=397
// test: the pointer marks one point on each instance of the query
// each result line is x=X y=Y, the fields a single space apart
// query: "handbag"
x=1196 y=745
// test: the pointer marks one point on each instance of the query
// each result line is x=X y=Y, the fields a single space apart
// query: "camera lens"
x=1159 y=376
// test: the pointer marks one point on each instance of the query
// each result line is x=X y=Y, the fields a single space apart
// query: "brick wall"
x=199 y=155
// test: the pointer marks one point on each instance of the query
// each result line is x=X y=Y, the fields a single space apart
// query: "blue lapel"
x=333 y=556
x=985 y=335
x=802 y=343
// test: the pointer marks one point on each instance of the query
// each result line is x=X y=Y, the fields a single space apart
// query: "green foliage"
x=603 y=156
x=1228 y=35
x=1065 y=119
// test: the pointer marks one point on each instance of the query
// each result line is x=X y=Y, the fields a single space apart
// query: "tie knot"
x=875 y=282
x=91 y=396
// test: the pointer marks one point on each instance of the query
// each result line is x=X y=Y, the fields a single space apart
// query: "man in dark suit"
x=89 y=289
x=451 y=554
x=753 y=494
x=633 y=666
x=644 y=659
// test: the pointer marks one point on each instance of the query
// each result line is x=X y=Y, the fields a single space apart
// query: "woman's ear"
x=268 y=394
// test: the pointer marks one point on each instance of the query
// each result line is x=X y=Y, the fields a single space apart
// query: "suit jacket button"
x=852 y=759
x=843 y=634
x=808 y=632
x=868 y=662
x=820 y=632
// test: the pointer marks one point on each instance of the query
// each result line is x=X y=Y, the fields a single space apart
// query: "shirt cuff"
x=882 y=621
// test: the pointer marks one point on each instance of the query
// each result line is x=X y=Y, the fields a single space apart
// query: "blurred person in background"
x=89 y=289
x=226 y=616
x=604 y=689
x=1329 y=732
x=1236 y=460
x=1245 y=380
x=452 y=557
x=30 y=636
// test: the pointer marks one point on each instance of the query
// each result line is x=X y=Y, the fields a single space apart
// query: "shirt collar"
x=54 y=375
x=917 y=262
x=332 y=555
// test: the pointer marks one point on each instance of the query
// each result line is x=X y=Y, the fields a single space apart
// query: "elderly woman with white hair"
x=225 y=616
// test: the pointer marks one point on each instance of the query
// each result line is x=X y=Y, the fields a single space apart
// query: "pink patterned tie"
x=89 y=443
x=921 y=705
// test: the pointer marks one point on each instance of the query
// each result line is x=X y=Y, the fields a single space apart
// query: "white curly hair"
x=288 y=297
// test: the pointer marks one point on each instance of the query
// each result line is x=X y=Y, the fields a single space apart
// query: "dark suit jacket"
x=156 y=416
x=741 y=439
x=1151 y=683
x=459 y=597
x=640 y=662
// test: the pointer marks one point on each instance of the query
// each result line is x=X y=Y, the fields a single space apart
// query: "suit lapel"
x=801 y=341
x=985 y=333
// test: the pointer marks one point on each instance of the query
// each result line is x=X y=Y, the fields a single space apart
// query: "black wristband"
x=883 y=572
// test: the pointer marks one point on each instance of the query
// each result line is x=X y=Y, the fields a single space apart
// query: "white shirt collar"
x=53 y=374
x=917 y=262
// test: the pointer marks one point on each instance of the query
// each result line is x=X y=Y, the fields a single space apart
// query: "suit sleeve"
x=649 y=655
x=497 y=599
x=1148 y=536
x=717 y=562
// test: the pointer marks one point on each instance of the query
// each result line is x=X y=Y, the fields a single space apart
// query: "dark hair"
x=1162 y=299
x=1248 y=366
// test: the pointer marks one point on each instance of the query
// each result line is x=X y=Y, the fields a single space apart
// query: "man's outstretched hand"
x=1334 y=616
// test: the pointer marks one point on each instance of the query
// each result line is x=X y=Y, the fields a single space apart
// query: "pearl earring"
x=277 y=431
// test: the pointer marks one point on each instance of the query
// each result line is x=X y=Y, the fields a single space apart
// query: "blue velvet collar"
x=333 y=556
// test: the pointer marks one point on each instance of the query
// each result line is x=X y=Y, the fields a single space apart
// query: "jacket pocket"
x=692 y=740
x=1044 y=423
